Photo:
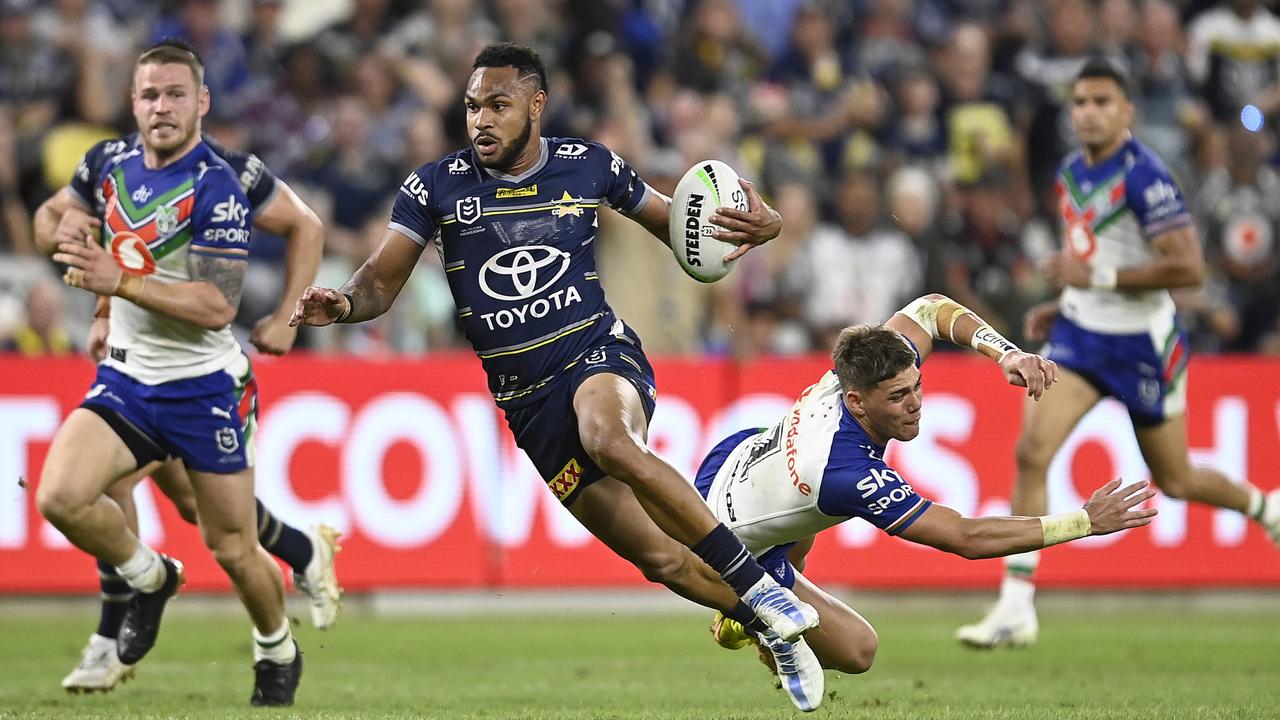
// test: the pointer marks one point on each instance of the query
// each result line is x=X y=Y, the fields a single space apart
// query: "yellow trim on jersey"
x=548 y=341
x=552 y=207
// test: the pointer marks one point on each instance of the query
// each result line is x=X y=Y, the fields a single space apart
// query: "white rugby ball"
x=707 y=185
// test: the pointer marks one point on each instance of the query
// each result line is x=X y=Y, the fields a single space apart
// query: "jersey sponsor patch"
x=566 y=480
x=467 y=210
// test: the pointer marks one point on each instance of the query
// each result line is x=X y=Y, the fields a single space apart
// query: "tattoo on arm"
x=226 y=274
x=364 y=302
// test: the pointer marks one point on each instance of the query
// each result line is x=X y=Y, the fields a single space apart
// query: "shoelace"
x=785 y=657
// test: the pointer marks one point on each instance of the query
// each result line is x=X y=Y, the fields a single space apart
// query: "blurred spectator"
x=888 y=40
x=767 y=296
x=985 y=266
x=978 y=109
x=913 y=201
x=823 y=100
x=289 y=119
x=263 y=46
x=916 y=136
x=860 y=271
x=43 y=331
x=1048 y=70
x=226 y=68
x=1162 y=95
x=445 y=33
x=1234 y=56
x=1117 y=25
x=1239 y=209
x=715 y=53
x=345 y=42
x=87 y=32
x=357 y=185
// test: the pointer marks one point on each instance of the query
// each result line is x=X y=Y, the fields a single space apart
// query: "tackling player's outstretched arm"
x=369 y=292
x=938 y=317
x=1109 y=509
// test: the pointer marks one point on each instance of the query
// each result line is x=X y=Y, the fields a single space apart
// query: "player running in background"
x=514 y=218
x=175 y=381
x=74 y=213
x=823 y=464
x=1128 y=240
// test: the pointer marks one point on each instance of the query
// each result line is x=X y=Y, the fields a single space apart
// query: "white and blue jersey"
x=518 y=252
x=167 y=386
x=1127 y=343
x=815 y=469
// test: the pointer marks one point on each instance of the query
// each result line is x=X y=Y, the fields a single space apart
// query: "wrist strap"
x=1065 y=527
x=1103 y=277
x=351 y=306
x=991 y=343
x=102 y=308
x=130 y=286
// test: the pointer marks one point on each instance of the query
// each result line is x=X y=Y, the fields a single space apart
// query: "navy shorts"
x=207 y=421
x=547 y=430
x=1147 y=371
x=774 y=560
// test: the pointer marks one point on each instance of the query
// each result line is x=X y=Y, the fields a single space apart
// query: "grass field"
x=1122 y=665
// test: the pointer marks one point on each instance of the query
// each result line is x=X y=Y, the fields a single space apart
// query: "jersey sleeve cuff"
x=1167 y=224
x=636 y=207
x=408 y=232
x=86 y=202
x=905 y=519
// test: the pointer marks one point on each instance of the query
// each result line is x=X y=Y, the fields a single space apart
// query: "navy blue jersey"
x=257 y=182
x=519 y=257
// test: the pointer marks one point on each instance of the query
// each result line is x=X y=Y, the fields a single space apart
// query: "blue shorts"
x=547 y=430
x=1145 y=371
x=774 y=560
x=207 y=421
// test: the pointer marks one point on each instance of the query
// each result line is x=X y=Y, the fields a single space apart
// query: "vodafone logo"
x=132 y=254
x=1080 y=240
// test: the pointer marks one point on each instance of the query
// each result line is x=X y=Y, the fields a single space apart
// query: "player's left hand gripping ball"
x=715 y=218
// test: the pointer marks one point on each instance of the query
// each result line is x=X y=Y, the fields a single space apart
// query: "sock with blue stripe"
x=726 y=554
x=284 y=541
x=116 y=595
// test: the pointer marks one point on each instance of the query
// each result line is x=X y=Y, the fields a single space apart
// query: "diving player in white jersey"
x=823 y=464
x=175 y=381
x=1128 y=239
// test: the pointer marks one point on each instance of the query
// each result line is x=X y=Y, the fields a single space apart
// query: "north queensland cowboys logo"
x=228 y=441
x=522 y=272
x=166 y=220
x=468 y=210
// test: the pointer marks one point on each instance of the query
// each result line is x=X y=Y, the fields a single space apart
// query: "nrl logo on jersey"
x=459 y=167
x=166 y=219
x=468 y=210
x=571 y=150
x=141 y=195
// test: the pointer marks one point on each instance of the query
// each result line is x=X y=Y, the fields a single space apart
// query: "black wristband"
x=351 y=306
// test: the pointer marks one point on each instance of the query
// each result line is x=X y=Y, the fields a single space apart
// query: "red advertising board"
x=413 y=462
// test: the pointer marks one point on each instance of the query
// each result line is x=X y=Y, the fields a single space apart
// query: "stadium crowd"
x=910 y=145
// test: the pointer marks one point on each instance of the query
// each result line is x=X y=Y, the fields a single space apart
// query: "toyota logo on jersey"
x=522 y=272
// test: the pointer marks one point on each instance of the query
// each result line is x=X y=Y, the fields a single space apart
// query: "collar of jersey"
x=1106 y=169
x=848 y=422
x=542 y=161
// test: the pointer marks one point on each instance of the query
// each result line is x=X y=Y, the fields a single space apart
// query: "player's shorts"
x=547 y=430
x=207 y=421
x=774 y=560
x=1145 y=371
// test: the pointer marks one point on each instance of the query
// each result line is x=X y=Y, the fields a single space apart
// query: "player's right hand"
x=318 y=307
x=1028 y=370
x=1110 y=510
x=1039 y=320
x=76 y=226
x=96 y=343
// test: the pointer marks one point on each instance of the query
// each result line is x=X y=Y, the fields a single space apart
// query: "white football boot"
x=320 y=581
x=1009 y=624
x=786 y=615
x=799 y=671
x=99 y=669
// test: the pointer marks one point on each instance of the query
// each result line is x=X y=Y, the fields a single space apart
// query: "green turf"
x=1199 y=665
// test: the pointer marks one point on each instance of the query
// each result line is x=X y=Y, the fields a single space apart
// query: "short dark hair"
x=1100 y=67
x=866 y=355
x=173 y=51
x=524 y=59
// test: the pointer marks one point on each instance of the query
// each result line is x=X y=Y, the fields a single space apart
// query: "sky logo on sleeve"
x=231 y=211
